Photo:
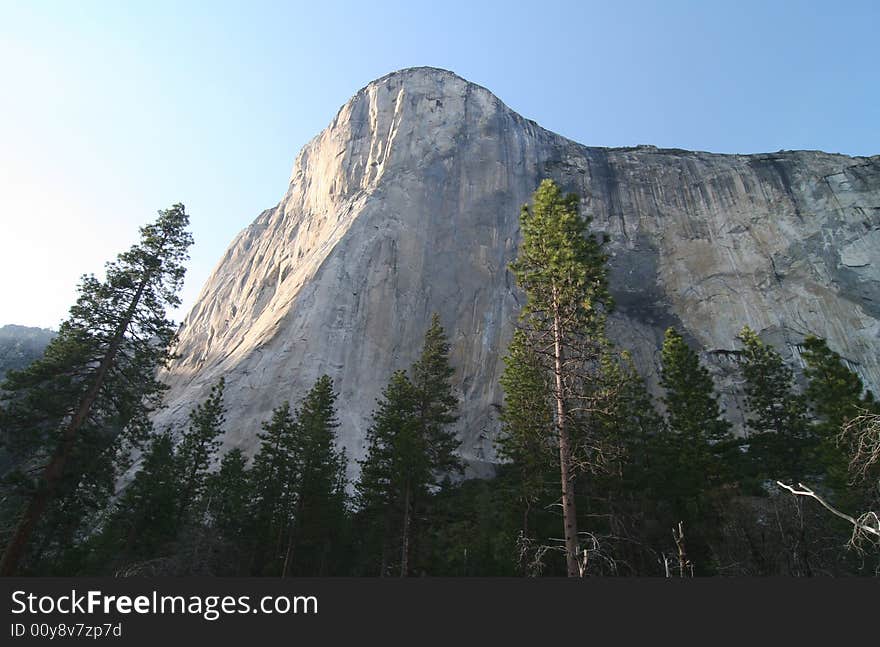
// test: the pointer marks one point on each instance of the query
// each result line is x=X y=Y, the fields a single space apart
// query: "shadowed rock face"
x=408 y=203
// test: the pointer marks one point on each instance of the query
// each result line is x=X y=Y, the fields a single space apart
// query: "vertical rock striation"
x=408 y=203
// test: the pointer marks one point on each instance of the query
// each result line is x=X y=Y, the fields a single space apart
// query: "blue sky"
x=112 y=110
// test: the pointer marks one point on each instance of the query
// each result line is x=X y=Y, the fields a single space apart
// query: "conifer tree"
x=836 y=396
x=629 y=427
x=777 y=421
x=690 y=399
x=621 y=487
x=435 y=403
x=395 y=456
x=527 y=432
x=692 y=471
x=229 y=495
x=561 y=267
x=198 y=447
x=319 y=484
x=835 y=391
x=145 y=520
x=272 y=477
x=410 y=448
x=693 y=418
x=64 y=416
x=435 y=410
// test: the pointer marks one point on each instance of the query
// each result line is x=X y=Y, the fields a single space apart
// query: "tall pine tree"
x=229 y=493
x=527 y=435
x=319 y=516
x=410 y=448
x=777 y=420
x=272 y=484
x=64 y=416
x=395 y=457
x=836 y=395
x=145 y=521
x=197 y=449
x=562 y=269
x=694 y=473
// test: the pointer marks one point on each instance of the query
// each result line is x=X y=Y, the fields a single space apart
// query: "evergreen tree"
x=836 y=396
x=272 y=477
x=435 y=403
x=198 y=447
x=561 y=267
x=690 y=454
x=319 y=486
x=474 y=530
x=435 y=410
x=67 y=412
x=630 y=427
x=229 y=495
x=396 y=456
x=620 y=492
x=692 y=408
x=527 y=433
x=835 y=391
x=778 y=422
x=410 y=450
x=145 y=520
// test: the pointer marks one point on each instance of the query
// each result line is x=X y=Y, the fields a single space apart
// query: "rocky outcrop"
x=408 y=203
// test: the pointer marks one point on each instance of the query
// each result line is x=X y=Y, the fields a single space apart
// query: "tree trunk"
x=288 y=557
x=55 y=469
x=386 y=541
x=404 y=556
x=569 y=512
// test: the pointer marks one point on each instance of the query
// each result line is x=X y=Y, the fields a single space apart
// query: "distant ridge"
x=21 y=345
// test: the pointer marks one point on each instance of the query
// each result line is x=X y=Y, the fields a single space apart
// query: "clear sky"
x=112 y=110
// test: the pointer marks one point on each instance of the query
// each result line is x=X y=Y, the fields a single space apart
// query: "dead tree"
x=865 y=527
x=684 y=564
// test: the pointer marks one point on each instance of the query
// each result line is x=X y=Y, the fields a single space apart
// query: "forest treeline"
x=596 y=476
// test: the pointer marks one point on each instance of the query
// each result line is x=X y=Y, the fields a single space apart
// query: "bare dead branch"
x=863 y=433
x=866 y=526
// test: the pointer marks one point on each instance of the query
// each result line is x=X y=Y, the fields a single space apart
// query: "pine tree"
x=435 y=403
x=68 y=411
x=691 y=403
x=693 y=474
x=145 y=520
x=409 y=449
x=619 y=491
x=629 y=427
x=319 y=485
x=435 y=410
x=562 y=269
x=836 y=396
x=693 y=418
x=527 y=431
x=395 y=456
x=198 y=447
x=778 y=422
x=228 y=492
x=272 y=477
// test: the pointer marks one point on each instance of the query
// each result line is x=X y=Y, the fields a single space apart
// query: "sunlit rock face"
x=408 y=203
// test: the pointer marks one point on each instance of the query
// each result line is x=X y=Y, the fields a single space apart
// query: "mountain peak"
x=419 y=72
x=407 y=204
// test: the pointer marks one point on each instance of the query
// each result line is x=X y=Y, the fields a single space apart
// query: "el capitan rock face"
x=408 y=203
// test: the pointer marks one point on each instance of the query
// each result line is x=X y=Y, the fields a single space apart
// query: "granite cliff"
x=408 y=203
